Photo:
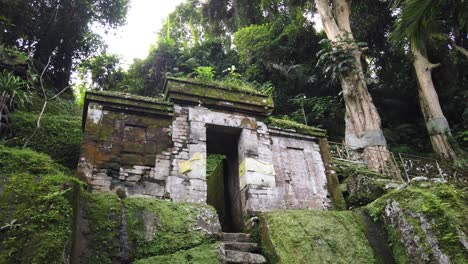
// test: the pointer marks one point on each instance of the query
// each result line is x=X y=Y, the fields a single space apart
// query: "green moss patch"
x=135 y=97
x=215 y=184
x=101 y=220
x=297 y=127
x=36 y=208
x=212 y=162
x=315 y=237
x=205 y=254
x=15 y=161
x=226 y=85
x=443 y=206
x=59 y=136
x=360 y=185
x=158 y=227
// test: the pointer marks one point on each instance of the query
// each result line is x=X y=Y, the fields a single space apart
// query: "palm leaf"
x=417 y=22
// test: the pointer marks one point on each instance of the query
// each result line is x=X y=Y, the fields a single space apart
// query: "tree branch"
x=46 y=100
x=461 y=49
x=331 y=28
x=341 y=13
x=433 y=66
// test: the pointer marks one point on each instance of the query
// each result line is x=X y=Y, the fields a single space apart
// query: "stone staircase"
x=238 y=248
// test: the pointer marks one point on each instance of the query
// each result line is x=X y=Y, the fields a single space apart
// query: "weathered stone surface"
x=412 y=242
x=233 y=256
x=194 y=93
x=152 y=148
x=300 y=173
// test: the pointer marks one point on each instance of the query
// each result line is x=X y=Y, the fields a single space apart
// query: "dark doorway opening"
x=223 y=184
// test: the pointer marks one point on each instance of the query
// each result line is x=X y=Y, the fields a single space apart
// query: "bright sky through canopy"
x=144 y=20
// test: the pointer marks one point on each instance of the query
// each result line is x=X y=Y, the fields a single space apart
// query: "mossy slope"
x=425 y=222
x=36 y=214
x=59 y=136
x=315 y=237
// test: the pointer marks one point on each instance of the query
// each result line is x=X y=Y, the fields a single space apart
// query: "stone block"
x=255 y=178
x=183 y=189
x=161 y=169
x=133 y=147
x=153 y=189
x=132 y=159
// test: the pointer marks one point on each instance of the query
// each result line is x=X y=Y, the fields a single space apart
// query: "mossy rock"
x=205 y=254
x=59 y=136
x=362 y=190
x=425 y=222
x=158 y=227
x=154 y=227
x=98 y=228
x=299 y=236
x=360 y=185
x=36 y=208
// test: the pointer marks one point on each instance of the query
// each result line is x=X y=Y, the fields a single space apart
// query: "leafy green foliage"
x=212 y=161
x=205 y=73
x=337 y=59
x=104 y=71
x=12 y=56
x=417 y=22
x=61 y=31
x=252 y=41
x=59 y=136
x=14 y=88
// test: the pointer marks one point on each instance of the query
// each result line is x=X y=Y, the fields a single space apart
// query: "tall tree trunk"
x=436 y=123
x=363 y=126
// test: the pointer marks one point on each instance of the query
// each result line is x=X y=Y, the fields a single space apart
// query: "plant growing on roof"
x=205 y=73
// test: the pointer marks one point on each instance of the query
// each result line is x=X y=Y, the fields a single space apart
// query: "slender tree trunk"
x=363 y=126
x=436 y=123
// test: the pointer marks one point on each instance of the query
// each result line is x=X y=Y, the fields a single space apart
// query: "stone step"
x=240 y=246
x=233 y=256
x=235 y=237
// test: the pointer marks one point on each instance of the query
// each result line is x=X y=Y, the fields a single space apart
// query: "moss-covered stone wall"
x=121 y=149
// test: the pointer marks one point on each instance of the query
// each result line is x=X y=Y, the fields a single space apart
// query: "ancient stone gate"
x=158 y=148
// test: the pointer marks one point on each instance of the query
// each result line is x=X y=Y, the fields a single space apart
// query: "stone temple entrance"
x=223 y=188
x=158 y=148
